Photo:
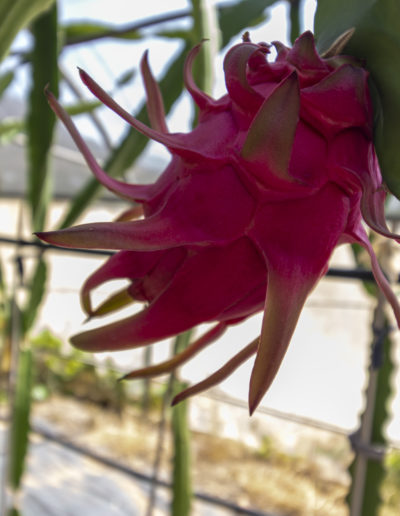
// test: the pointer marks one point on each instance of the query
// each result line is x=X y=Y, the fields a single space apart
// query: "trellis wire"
x=333 y=272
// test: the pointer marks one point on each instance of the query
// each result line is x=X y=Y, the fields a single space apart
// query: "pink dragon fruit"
x=277 y=173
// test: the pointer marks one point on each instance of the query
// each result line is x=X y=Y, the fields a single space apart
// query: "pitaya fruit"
x=277 y=173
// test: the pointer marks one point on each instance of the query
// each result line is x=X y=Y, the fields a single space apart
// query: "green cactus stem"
x=367 y=471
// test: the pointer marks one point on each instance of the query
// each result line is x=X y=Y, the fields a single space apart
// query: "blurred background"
x=74 y=440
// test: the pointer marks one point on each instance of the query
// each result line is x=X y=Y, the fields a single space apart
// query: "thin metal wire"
x=333 y=272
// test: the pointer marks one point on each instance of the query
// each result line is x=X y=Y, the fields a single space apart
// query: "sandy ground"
x=311 y=481
x=61 y=482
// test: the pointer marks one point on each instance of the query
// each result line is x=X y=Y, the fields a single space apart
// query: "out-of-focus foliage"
x=181 y=474
x=14 y=16
x=5 y=81
x=236 y=18
x=80 y=32
x=391 y=487
x=20 y=418
x=65 y=371
x=40 y=119
x=35 y=294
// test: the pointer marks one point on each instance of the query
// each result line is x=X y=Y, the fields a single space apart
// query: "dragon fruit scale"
x=277 y=173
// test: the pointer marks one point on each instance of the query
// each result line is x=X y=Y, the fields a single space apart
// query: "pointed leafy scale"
x=270 y=138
